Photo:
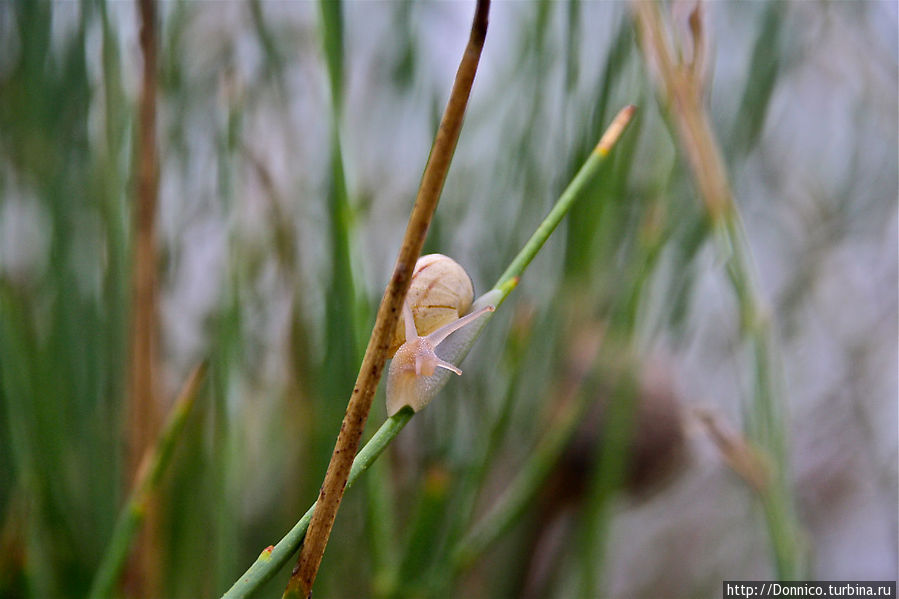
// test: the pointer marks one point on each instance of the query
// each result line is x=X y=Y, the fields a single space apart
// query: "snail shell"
x=441 y=292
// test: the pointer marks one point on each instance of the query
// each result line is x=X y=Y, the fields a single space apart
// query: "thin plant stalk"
x=153 y=464
x=273 y=558
x=681 y=89
x=144 y=417
x=509 y=279
x=376 y=354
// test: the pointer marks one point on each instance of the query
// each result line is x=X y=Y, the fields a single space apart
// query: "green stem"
x=766 y=419
x=509 y=279
x=273 y=558
x=149 y=475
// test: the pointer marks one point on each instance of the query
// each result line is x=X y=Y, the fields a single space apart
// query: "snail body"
x=440 y=294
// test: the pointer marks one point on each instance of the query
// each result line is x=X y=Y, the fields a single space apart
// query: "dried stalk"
x=144 y=416
x=303 y=576
x=681 y=90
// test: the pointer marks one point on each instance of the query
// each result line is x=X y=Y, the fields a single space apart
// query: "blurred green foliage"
x=291 y=139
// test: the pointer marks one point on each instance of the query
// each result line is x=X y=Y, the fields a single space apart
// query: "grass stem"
x=681 y=91
x=153 y=464
x=273 y=558
x=143 y=414
x=509 y=279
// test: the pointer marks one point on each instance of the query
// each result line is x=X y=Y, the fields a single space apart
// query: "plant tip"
x=619 y=123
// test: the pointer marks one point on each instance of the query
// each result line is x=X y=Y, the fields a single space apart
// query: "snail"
x=440 y=293
x=435 y=307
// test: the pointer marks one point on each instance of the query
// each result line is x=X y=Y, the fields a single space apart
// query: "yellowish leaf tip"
x=619 y=123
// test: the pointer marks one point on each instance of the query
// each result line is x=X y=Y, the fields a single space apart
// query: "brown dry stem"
x=682 y=89
x=144 y=417
x=303 y=576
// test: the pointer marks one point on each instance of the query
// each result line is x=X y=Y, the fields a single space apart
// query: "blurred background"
x=274 y=244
